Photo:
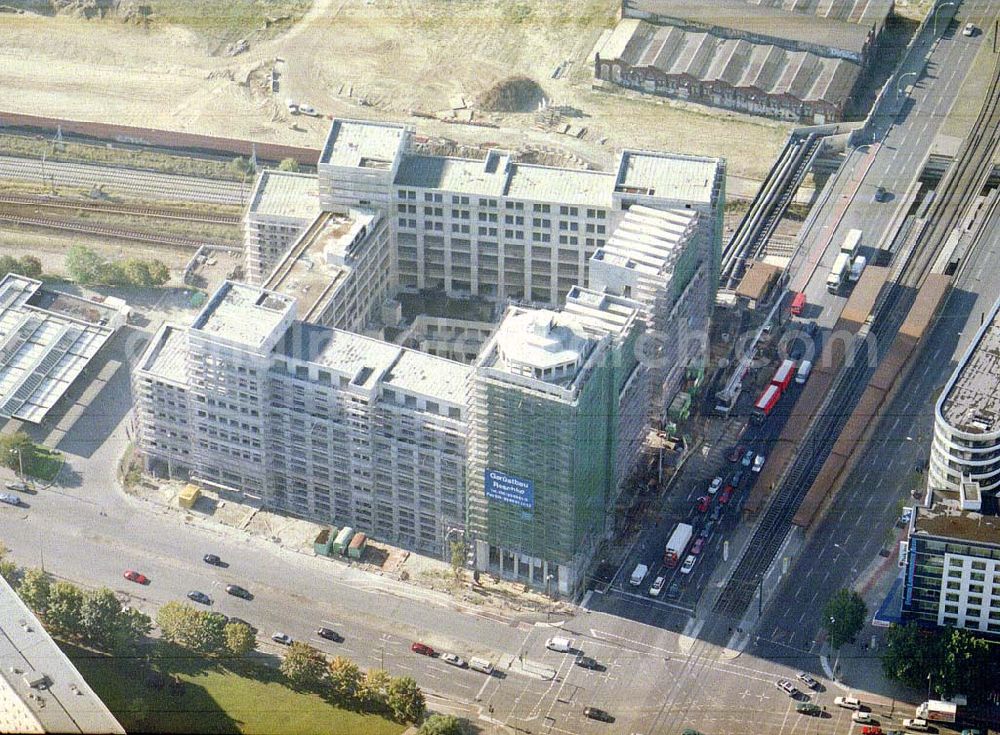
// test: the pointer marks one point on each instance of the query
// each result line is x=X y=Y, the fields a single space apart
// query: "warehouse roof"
x=753 y=67
x=47 y=338
x=40 y=683
x=837 y=24
x=285 y=194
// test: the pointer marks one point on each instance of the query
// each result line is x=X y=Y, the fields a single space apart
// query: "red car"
x=871 y=730
x=422 y=648
x=703 y=502
x=697 y=546
x=134 y=576
x=726 y=495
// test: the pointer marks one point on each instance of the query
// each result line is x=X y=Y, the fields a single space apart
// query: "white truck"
x=677 y=544
x=836 y=277
x=852 y=241
x=936 y=710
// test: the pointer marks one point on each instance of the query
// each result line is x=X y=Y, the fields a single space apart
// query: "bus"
x=765 y=404
x=783 y=375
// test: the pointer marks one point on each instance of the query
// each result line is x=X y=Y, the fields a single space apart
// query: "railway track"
x=135 y=182
x=117 y=232
x=959 y=186
x=102 y=208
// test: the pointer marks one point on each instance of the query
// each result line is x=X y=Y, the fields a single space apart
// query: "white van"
x=847 y=702
x=559 y=644
x=803 y=373
x=481 y=665
x=638 y=574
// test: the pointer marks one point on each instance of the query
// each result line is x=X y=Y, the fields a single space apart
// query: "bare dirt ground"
x=380 y=59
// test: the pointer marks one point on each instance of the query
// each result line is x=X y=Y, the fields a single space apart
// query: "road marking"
x=404 y=666
x=479 y=694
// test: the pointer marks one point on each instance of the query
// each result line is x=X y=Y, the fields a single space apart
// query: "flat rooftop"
x=487 y=177
x=431 y=376
x=359 y=360
x=285 y=194
x=838 y=24
x=241 y=313
x=362 y=144
x=320 y=260
x=972 y=399
x=66 y=703
x=47 y=338
x=601 y=313
x=947 y=519
x=167 y=357
x=668 y=175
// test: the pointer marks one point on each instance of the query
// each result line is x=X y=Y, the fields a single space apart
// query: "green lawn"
x=46 y=464
x=216 y=698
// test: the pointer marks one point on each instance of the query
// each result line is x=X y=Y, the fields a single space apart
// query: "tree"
x=34 y=590
x=30 y=266
x=159 y=273
x=345 y=678
x=405 y=700
x=135 y=272
x=101 y=618
x=242 y=166
x=457 y=558
x=9 y=264
x=844 y=617
x=441 y=725
x=288 y=164
x=303 y=666
x=910 y=654
x=240 y=639
x=83 y=264
x=17 y=451
x=374 y=688
x=8 y=569
x=132 y=626
x=965 y=663
x=207 y=632
x=64 y=607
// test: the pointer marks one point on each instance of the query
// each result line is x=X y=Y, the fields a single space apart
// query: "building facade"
x=282 y=205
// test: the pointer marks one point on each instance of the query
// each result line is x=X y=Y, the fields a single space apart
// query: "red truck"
x=798 y=303
x=783 y=375
x=765 y=404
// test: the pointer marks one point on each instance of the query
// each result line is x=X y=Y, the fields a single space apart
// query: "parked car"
x=758 y=463
x=236 y=591
x=847 y=702
x=481 y=665
x=454 y=660
x=657 y=587
x=787 y=687
x=200 y=597
x=747 y=458
x=292 y=105
x=559 y=644
x=872 y=730
x=20 y=487
x=241 y=621
x=133 y=576
x=697 y=546
x=586 y=662
x=306 y=109
x=212 y=559
x=674 y=591
x=597 y=714
x=422 y=648
x=330 y=635
x=861 y=716
x=688 y=564
x=702 y=503
x=727 y=495
x=735 y=453
x=713 y=488
x=807 y=680
x=808 y=708
x=9 y=499
x=282 y=638
x=917 y=723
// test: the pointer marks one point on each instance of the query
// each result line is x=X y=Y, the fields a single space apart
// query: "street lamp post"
x=20 y=462
x=936 y=11
x=899 y=83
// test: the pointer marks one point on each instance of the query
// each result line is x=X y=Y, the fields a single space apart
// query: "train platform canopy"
x=47 y=338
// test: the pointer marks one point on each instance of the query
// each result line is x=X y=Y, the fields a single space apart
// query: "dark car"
x=212 y=559
x=707 y=530
x=199 y=597
x=236 y=591
x=735 y=453
x=586 y=662
x=716 y=513
x=808 y=708
x=598 y=714
x=736 y=479
x=330 y=635
x=880 y=194
x=674 y=591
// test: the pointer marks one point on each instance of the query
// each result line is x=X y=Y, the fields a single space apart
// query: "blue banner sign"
x=509 y=489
